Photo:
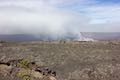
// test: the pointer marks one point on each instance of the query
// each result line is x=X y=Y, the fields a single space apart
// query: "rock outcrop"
x=21 y=69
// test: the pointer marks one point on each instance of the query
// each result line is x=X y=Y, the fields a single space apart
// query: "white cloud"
x=44 y=17
x=32 y=18
x=105 y=18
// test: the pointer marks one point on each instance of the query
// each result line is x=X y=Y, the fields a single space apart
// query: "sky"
x=59 y=17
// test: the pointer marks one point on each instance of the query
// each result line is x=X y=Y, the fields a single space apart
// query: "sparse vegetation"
x=25 y=70
x=72 y=60
x=22 y=74
x=23 y=63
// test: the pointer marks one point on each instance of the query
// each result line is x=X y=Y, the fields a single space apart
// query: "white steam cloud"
x=29 y=18
x=44 y=17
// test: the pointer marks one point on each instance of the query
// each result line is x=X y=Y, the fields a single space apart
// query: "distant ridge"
x=84 y=36
x=102 y=35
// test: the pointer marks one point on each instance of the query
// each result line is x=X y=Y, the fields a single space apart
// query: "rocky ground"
x=70 y=60
x=22 y=69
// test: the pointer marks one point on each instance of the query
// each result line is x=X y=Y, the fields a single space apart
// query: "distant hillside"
x=17 y=37
x=81 y=37
x=102 y=35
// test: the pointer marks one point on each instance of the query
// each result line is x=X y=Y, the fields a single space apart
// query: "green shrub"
x=23 y=63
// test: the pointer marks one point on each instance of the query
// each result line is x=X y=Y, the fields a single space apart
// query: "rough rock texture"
x=22 y=70
x=70 y=60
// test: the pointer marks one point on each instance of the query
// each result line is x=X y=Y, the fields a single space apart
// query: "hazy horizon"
x=59 y=18
x=83 y=36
